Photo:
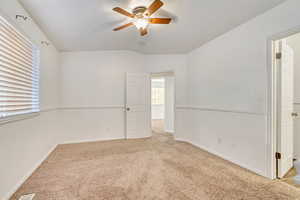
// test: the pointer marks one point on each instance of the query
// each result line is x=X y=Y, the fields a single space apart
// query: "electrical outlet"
x=27 y=197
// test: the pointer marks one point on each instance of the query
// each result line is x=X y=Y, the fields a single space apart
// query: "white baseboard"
x=169 y=131
x=257 y=171
x=16 y=187
x=92 y=140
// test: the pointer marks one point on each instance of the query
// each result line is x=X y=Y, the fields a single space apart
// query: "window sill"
x=16 y=118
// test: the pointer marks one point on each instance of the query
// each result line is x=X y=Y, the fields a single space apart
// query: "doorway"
x=286 y=106
x=162 y=103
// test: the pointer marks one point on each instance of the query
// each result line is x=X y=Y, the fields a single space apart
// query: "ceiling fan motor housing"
x=139 y=11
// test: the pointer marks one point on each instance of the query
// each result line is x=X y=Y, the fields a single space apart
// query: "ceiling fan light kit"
x=141 y=17
x=141 y=23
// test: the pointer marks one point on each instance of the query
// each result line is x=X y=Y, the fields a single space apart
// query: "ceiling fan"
x=141 y=17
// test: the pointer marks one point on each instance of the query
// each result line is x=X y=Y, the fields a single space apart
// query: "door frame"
x=163 y=74
x=272 y=101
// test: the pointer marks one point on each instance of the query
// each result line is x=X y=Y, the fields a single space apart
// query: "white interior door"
x=285 y=108
x=138 y=106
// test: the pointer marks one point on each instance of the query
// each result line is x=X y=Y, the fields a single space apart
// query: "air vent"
x=27 y=197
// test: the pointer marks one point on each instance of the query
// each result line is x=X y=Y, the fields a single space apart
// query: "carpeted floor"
x=156 y=168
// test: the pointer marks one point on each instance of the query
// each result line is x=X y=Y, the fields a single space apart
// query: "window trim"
x=19 y=117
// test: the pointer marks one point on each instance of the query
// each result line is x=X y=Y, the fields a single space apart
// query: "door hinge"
x=278 y=155
x=278 y=55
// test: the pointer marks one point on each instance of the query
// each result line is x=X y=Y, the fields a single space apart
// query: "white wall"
x=93 y=93
x=169 y=103
x=24 y=144
x=93 y=90
x=294 y=42
x=227 y=82
x=165 y=63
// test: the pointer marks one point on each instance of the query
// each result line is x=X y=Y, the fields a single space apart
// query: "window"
x=158 y=91
x=19 y=73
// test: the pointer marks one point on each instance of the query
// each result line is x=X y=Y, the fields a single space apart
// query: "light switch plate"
x=27 y=197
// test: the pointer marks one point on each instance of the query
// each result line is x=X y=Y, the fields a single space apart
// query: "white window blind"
x=19 y=73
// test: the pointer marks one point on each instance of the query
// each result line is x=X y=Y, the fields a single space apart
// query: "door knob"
x=128 y=109
x=294 y=114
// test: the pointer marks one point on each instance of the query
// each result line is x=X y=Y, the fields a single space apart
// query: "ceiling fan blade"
x=123 y=12
x=143 y=31
x=154 y=7
x=160 y=20
x=123 y=26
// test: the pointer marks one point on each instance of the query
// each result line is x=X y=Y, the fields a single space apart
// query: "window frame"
x=157 y=92
x=23 y=116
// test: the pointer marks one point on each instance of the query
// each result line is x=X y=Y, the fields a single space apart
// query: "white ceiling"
x=81 y=25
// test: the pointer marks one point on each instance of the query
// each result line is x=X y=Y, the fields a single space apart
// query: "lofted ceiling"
x=84 y=25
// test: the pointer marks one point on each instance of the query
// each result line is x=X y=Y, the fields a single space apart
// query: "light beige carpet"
x=146 y=169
